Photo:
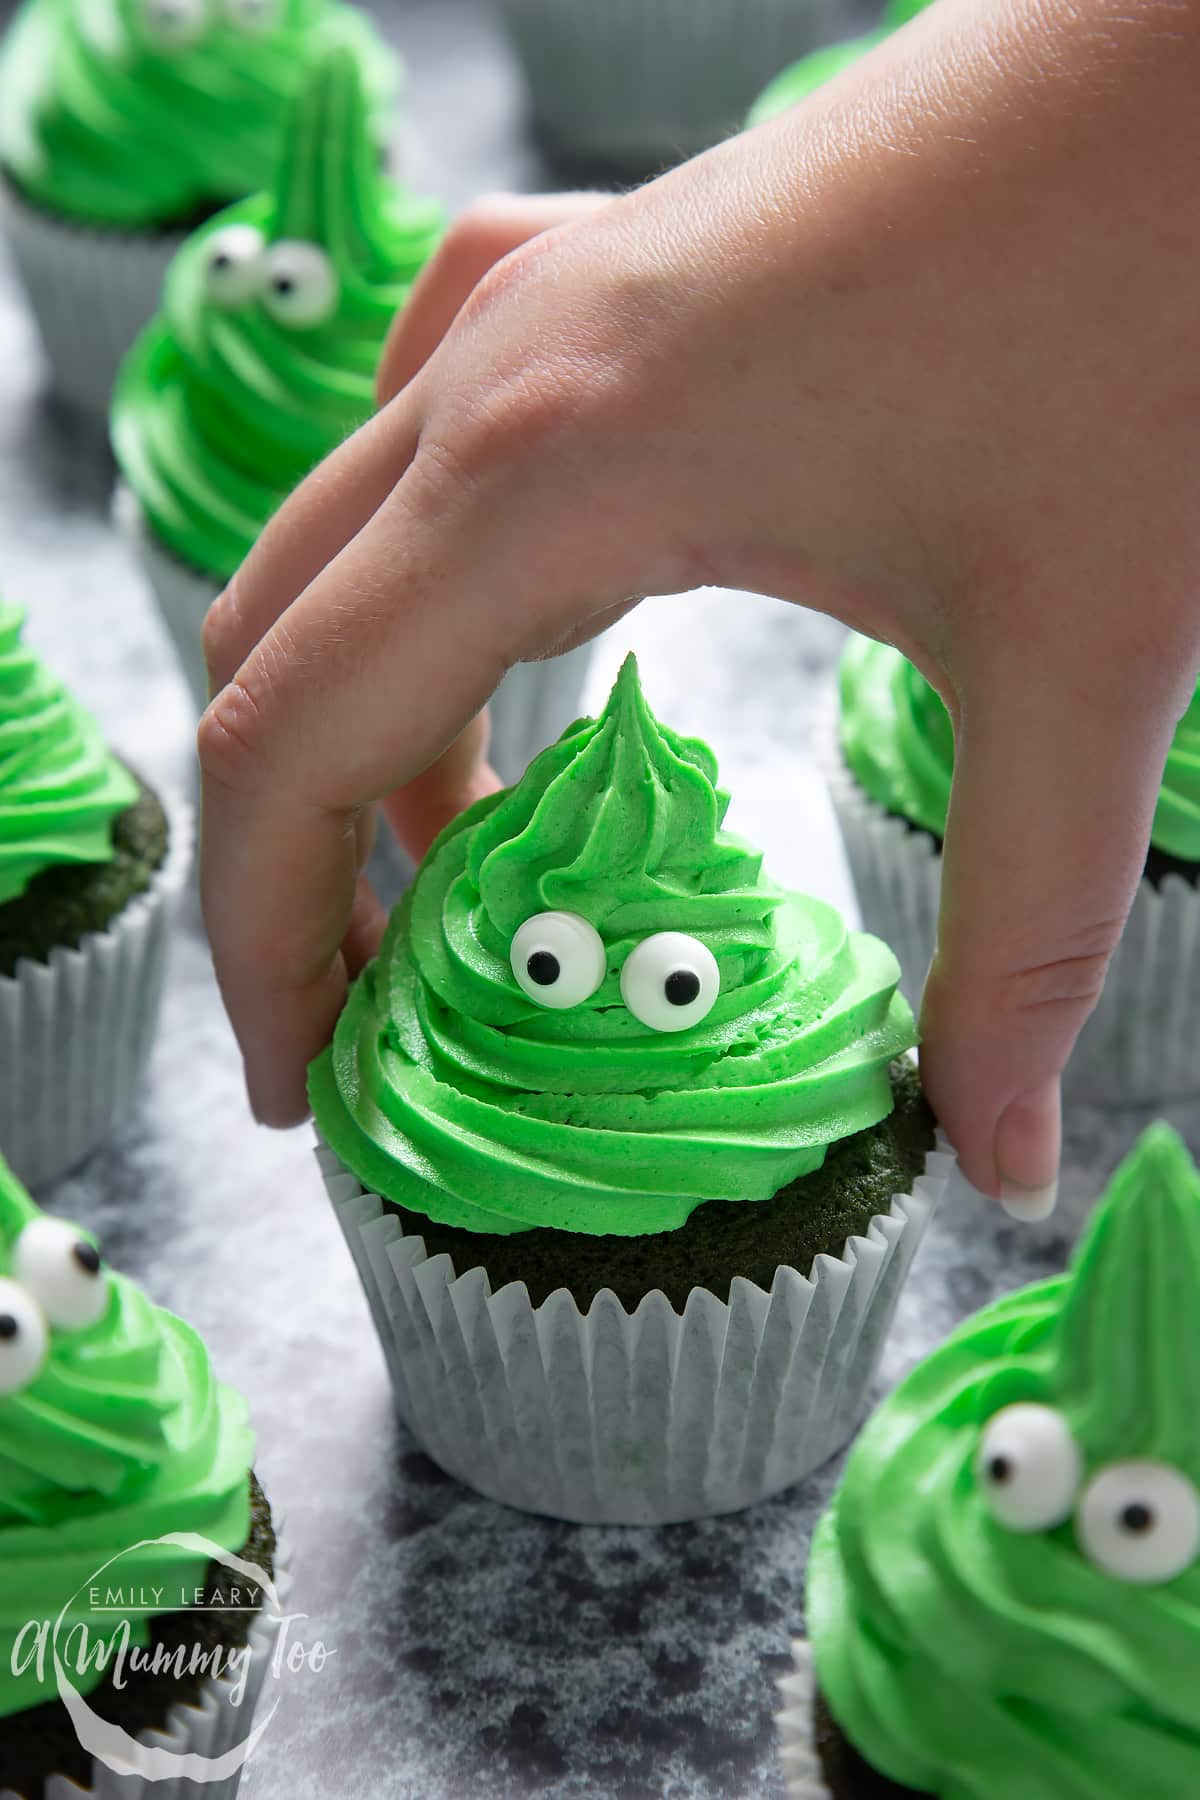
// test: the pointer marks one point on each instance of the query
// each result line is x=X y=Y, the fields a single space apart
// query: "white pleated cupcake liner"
x=638 y=83
x=794 y=1722
x=90 y=291
x=210 y=1726
x=76 y=1031
x=607 y=1417
x=534 y=703
x=1141 y=1045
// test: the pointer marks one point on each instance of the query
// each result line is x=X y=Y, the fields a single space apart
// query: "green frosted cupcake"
x=890 y=773
x=1004 y=1596
x=124 y=123
x=263 y=360
x=125 y=1489
x=613 y=1115
x=90 y=870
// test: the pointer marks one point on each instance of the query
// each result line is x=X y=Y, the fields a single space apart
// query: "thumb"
x=1050 y=816
x=460 y=776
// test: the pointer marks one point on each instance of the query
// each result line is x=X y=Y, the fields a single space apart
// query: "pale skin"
x=923 y=354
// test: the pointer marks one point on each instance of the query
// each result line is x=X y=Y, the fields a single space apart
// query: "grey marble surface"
x=475 y=1651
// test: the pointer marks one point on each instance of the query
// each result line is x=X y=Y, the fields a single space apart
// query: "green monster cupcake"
x=1004 y=1596
x=91 y=868
x=814 y=70
x=619 y=1140
x=123 y=124
x=125 y=1489
x=263 y=360
x=890 y=775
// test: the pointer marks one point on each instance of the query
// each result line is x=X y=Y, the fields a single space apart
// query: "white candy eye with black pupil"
x=233 y=265
x=174 y=24
x=1029 y=1467
x=558 y=958
x=1140 y=1522
x=64 y=1273
x=670 y=981
x=300 y=284
x=24 y=1338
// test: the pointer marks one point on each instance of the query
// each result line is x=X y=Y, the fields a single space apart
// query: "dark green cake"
x=67 y=900
x=42 y=1742
x=810 y=1217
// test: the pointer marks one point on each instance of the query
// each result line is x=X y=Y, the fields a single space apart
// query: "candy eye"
x=174 y=24
x=1140 y=1521
x=300 y=286
x=558 y=959
x=23 y=1337
x=1029 y=1468
x=233 y=265
x=670 y=981
x=252 y=15
x=63 y=1272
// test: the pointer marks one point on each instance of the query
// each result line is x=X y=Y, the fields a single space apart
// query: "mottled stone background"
x=477 y=1652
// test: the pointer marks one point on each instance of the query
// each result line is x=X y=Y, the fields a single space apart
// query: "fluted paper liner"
x=76 y=1031
x=607 y=1417
x=533 y=705
x=1141 y=1046
x=797 y=1749
x=211 y=1725
x=642 y=82
x=91 y=291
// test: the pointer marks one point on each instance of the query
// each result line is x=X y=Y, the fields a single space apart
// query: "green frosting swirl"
x=129 y=114
x=60 y=789
x=973 y=1662
x=221 y=409
x=898 y=741
x=122 y=1436
x=449 y=1091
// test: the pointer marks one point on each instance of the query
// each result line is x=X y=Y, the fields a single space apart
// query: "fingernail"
x=1028 y=1144
x=1026 y=1204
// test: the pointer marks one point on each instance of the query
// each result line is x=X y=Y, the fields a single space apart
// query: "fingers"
x=375 y=671
x=316 y=522
x=460 y=776
x=1050 y=816
x=489 y=231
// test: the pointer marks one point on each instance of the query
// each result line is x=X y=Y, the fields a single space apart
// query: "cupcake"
x=819 y=66
x=1004 y=1596
x=263 y=360
x=126 y=1495
x=622 y=1143
x=890 y=773
x=91 y=867
x=635 y=85
x=123 y=124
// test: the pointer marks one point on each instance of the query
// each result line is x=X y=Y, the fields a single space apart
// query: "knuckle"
x=231 y=738
x=218 y=633
x=1071 y=981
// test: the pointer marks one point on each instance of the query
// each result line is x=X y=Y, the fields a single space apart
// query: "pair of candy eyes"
x=1139 y=1521
x=178 y=24
x=669 y=981
x=295 y=280
x=57 y=1282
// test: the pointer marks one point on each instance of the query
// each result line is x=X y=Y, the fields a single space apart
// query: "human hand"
x=880 y=357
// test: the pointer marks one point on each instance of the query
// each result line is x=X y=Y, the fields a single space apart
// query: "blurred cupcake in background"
x=1004 y=1595
x=634 y=86
x=91 y=867
x=624 y=1143
x=130 y=1514
x=123 y=125
x=263 y=360
x=890 y=771
x=802 y=78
